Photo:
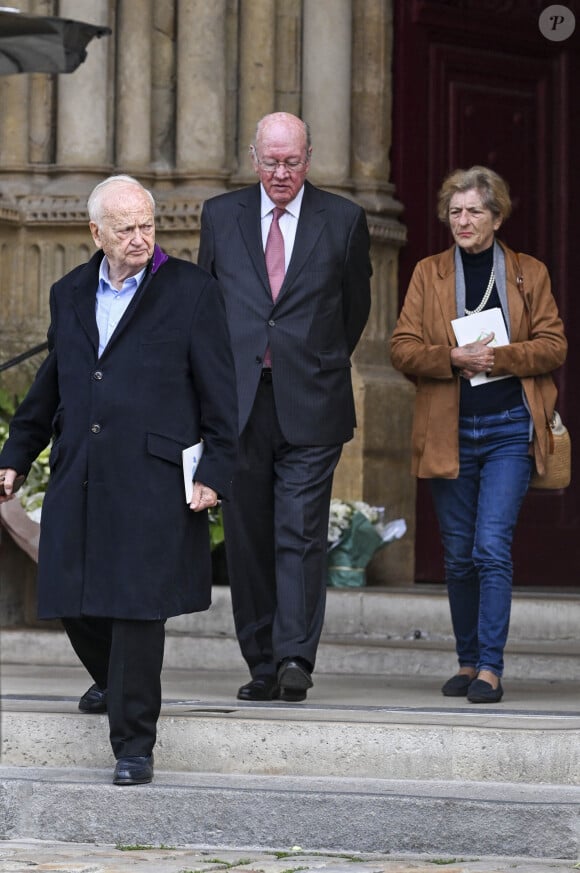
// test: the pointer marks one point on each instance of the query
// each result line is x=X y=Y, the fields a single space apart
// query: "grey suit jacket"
x=317 y=319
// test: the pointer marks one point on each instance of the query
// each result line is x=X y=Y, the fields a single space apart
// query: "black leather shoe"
x=94 y=700
x=294 y=679
x=483 y=692
x=261 y=688
x=457 y=686
x=133 y=770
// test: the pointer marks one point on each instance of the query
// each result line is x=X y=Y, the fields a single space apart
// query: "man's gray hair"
x=94 y=203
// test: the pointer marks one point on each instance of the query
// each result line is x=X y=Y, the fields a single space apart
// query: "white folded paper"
x=191 y=458
x=472 y=328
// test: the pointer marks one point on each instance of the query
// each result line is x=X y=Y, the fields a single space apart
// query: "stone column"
x=14 y=95
x=83 y=97
x=163 y=65
x=201 y=87
x=289 y=56
x=375 y=465
x=256 y=75
x=327 y=41
x=39 y=118
x=14 y=92
x=133 y=97
x=40 y=101
x=371 y=91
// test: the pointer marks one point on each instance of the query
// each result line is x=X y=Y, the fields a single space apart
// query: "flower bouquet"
x=355 y=532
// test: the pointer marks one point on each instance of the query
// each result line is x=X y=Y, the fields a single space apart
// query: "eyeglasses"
x=271 y=166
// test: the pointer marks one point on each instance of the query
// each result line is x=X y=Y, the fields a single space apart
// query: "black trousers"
x=126 y=658
x=276 y=533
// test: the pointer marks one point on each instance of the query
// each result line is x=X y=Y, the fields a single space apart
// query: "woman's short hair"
x=494 y=191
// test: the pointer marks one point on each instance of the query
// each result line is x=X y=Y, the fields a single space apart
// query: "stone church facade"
x=172 y=97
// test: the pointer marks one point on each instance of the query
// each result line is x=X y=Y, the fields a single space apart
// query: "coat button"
x=97 y=375
x=85 y=484
x=272 y=323
x=96 y=428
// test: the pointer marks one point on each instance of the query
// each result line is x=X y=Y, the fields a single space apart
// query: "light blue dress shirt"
x=111 y=304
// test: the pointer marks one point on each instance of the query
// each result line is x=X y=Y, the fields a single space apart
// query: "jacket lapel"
x=128 y=314
x=251 y=230
x=310 y=225
x=445 y=289
x=518 y=318
x=444 y=283
x=157 y=261
x=84 y=299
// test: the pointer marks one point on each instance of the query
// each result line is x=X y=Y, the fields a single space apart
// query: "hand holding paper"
x=191 y=458
x=477 y=335
x=203 y=497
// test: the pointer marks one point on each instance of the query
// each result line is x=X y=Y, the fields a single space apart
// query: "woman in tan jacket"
x=480 y=410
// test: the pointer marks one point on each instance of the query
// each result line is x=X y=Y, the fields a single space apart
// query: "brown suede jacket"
x=423 y=338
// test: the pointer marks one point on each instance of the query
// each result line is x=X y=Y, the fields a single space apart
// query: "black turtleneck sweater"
x=504 y=393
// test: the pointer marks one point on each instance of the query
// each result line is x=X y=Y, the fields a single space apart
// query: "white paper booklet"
x=472 y=328
x=191 y=458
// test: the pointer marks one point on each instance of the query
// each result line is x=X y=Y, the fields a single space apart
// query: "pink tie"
x=275 y=264
x=274 y=253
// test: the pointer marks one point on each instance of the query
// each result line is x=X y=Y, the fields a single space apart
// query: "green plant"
x=32 y=492
x=216 y=527
x=8 y=403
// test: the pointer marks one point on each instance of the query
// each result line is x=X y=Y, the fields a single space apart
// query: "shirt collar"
x=104 y=276
x=267 y=205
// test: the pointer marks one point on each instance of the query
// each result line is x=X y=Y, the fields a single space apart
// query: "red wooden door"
x=476 y=82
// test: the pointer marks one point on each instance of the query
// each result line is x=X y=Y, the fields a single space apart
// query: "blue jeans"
x=477 y=514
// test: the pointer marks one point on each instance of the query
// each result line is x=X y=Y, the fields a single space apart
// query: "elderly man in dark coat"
x=139 y=368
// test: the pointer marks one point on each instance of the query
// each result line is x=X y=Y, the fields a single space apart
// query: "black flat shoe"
x=290 y=696
x=262 y=688
x=294 y=679
x=133 y=770
x=457 y=686
x=94 y=700
x=484 y=692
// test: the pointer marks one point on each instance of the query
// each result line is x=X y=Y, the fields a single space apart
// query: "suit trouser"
x=126 y=658
x=276 y=531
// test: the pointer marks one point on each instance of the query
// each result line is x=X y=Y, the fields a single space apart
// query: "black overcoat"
x=117 y=537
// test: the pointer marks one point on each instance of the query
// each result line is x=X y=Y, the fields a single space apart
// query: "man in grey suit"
x=293 y=263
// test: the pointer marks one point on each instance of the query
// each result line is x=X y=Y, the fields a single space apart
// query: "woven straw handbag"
x=558 y=461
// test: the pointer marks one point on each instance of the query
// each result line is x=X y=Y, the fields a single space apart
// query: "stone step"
x=406 y=614
x=382 y=615
x=542 y=660
x=281 y=812
x=355 y=726
x=383 y=632
x=367 y=763
x=375 y=759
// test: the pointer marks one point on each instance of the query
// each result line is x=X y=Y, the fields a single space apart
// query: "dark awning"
x=42 y=44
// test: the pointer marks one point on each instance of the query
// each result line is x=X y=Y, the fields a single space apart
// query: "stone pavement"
x=18 y=856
